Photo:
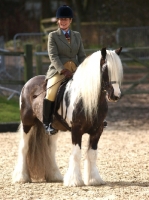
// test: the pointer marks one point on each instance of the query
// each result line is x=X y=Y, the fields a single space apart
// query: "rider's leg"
x=47 y=116
x=48 y=102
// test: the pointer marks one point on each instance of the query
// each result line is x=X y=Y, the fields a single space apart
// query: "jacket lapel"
x=62 y=37
x=73 y=37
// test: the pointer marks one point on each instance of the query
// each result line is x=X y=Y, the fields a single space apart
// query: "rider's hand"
x=68 y=74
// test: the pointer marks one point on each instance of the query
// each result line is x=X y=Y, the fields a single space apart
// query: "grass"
x=9 y=110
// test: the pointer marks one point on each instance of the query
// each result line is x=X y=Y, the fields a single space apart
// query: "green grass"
x=9 y=110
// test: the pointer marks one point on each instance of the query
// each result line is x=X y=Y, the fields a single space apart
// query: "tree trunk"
x=46 y=9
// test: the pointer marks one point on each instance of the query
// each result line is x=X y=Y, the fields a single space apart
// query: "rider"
x=66 y=52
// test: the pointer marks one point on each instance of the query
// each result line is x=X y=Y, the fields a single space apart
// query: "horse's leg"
x=53 y=173
x=73 y=175
x=21 y=173
x=91 y=173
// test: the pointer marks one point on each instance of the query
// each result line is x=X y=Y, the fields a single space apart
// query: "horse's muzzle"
x=112 y=97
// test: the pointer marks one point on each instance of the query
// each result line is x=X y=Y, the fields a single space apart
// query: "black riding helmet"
x=64 y=12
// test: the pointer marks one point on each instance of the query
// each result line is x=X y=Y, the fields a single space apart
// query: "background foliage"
x=15 y=17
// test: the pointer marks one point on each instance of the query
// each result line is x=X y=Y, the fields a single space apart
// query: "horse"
x=84 y=107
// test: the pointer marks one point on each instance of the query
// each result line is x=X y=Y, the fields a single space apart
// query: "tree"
x=46 y=9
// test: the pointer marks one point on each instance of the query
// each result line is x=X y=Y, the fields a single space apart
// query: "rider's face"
x=64 y=23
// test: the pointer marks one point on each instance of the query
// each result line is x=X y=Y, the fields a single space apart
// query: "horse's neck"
x=102 y=97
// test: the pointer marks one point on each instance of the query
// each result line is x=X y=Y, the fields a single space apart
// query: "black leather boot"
x=105 y=124
x=48 y=107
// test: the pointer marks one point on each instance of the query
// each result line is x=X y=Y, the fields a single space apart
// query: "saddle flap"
x=59 y=96
x=58 y=121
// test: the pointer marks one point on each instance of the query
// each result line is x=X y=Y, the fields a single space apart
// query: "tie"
x=67 y=35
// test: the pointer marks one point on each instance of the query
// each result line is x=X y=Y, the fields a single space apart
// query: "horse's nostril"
x=117 y=98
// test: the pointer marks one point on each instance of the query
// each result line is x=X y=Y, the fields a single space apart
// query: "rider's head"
x=64 y=17
x=64 y=12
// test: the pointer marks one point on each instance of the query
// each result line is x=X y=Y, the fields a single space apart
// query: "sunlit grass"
x=9 y=110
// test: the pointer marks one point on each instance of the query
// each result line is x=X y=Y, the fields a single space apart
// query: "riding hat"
x=64 y=12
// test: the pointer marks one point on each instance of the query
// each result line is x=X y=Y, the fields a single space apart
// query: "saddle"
x=58 y=121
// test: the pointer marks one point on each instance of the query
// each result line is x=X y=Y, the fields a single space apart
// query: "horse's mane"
x=86 y=84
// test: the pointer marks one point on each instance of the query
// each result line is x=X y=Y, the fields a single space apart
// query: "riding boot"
x=48 y=107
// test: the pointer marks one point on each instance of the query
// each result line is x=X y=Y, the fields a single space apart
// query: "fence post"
x=28 y=68
x=38 y=60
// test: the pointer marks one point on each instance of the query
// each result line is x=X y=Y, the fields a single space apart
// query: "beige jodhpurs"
x=52 y=91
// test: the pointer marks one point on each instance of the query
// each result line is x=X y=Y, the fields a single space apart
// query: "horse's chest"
x=103 y=107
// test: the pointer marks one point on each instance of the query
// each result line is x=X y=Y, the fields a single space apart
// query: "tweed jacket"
x=61 y=51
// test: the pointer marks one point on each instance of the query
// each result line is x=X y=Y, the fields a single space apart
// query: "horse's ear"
x=118 y=51
x=103 y=53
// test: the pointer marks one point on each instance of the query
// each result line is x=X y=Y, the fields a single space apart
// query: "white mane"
x=115 y=68
x=86 y=84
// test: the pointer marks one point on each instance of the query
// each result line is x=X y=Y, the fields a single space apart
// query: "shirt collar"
x=66 y=31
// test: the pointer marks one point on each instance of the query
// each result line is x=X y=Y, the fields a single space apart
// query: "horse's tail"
x=41 y=153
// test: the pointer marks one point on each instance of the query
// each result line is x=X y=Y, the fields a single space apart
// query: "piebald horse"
x=96 y=81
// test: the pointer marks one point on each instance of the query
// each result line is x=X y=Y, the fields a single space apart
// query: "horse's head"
x=111 y=86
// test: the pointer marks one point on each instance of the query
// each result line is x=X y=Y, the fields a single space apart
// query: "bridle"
x=106 y=84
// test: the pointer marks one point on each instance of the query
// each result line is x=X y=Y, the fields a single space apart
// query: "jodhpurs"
x=52 y=91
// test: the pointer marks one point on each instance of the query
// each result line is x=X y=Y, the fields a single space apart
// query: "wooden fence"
x=135 y=41
x=143 y=71
x=28 y=67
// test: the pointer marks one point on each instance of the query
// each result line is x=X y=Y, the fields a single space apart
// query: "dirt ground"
x=123 y=159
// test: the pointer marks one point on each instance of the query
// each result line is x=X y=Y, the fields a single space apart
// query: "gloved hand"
x=68 y=74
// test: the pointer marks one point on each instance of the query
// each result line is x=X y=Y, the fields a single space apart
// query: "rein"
x=113 y=82
x=106 y=84
x=35 y=96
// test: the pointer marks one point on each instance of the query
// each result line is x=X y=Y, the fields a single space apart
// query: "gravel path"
x=123 y=159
